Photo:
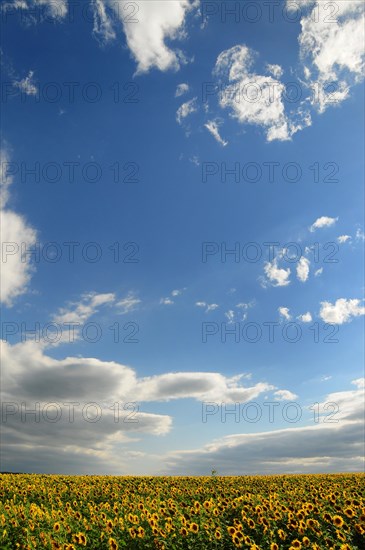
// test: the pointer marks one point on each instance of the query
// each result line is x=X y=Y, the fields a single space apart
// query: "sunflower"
x=337 y=521
x=218 y=534
x=113 y=545
x=349 y=512
x=274 y=546
x=56 y=527
x=194 y=528
x=82 y=539
x=251 y=523
x=109 y=525
x=296 y=544
x=231 y=530
x=132 y=532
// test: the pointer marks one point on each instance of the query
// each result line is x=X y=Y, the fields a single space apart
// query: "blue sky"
x=142 y=144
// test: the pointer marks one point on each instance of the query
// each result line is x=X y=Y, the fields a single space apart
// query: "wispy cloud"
x=213 y=127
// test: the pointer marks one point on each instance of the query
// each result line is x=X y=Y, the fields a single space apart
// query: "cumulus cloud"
x=275 y=70
x=76 y=415
x=284 y=312
x=253 y=98
x=29 y=373
x=213 y=127
x=303 y=269
x=342 y=311
x=305 y=317
x=275 y=275
x=331 y=446
x=285 y=395
x=323 y=221
x=182 y=89
x=96 y=404
x=16 y=237
x=202 y=386
x=149 y=28
x=331 y=50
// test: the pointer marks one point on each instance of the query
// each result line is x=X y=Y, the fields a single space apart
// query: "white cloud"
x=360 y=235
x=29 y=373
x=213 y=127
x=16 y=237
x=231 y=316
x=292 y=5
x=331 y=446
x=323 y=221
x=166 y=301
x=241 y=311
x=148 y=27
x=244 y=307
x=80 y=312
x=331 y=48
x=103 y=24
x=6 y=179
x=53 y=8
x=303 y=269
x=284 y=312
x=195 y=160
x=27 y=85
x=202 y=386
x=207 y=307
x=318 y=272
x=342 y=311
x=275 y=275
x=182 y=89
x=343 y=238
x=177 y=292
x=30 y=376
x=285 y=395
x=305 y=317
x=252 y=98
x=275 y=70
x=128 y=304
x=186 y=109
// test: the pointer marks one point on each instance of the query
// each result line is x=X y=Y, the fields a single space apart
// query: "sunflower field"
x=190 y=513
